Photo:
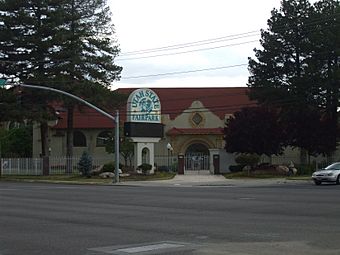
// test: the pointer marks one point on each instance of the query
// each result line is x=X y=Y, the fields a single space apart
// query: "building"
x=193 y=119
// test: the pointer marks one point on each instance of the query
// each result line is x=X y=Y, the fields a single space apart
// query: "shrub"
x=85 y=164
x=110 y=167
x=305 y=169
x=145 y=167
x=236 y=168
x=247 y=159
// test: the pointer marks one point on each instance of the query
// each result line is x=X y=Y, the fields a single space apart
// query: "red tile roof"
x=174 y=101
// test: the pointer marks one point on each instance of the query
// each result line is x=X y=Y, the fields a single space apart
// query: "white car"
x=329 y=174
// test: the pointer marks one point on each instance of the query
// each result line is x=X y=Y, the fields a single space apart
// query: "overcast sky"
x=150 y=24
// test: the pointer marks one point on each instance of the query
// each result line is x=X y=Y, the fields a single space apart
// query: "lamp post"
x=169 y=147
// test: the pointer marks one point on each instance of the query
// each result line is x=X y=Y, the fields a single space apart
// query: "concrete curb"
x=182 y=181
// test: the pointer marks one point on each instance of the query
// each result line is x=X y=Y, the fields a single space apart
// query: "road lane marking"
x=150 y=248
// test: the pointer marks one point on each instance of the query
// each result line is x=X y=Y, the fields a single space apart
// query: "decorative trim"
x=197 y=119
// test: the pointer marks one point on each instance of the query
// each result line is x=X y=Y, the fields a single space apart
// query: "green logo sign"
x=144 y=106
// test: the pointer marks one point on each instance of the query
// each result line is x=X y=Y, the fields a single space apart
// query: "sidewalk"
x=213 y=180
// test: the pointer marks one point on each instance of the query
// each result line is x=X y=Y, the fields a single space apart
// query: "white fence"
x=21 y=166
x=34 y=166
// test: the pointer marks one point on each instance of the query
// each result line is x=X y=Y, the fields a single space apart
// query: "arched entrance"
x=197 y=157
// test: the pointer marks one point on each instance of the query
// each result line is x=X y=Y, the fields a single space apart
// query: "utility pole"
x=114 y=118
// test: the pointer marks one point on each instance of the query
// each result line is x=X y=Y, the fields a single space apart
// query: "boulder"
x=106 y=175
x=97 y=170
x=282 y=169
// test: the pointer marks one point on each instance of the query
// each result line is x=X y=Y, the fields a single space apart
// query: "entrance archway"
x=197 y=157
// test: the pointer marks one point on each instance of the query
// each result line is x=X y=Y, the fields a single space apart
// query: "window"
x=103 y=138
x=79 y=139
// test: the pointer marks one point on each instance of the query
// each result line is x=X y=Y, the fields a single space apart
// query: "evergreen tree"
x=86 y=55
x=26 y=33
x=292 y=70
x=324 y=62
x=278 y=71
x=65 y=44
x=85 y=164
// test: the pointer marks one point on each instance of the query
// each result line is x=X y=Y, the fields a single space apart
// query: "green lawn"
x=242 y=175
x=84 y=180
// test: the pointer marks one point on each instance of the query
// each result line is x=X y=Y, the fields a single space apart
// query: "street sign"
x=2 y=82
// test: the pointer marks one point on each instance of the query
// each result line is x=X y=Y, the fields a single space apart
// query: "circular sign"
x=144 y=106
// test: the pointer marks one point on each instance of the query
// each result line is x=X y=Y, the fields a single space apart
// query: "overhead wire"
x=191 y=44
x=183 y=72
x=281 y=28
x=194 y=44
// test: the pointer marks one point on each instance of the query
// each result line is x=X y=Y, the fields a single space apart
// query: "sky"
x=197 y=43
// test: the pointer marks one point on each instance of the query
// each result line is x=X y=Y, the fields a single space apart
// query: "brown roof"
x=174 y=101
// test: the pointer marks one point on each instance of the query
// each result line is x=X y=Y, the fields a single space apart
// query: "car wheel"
x=338 y=180
x=317 y=182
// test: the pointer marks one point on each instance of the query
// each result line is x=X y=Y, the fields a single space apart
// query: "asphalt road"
x=50 y=219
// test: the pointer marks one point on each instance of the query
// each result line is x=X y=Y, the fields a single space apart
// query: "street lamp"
x=169 y=147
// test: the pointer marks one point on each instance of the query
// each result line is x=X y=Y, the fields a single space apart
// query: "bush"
x=247 y=159
x=110 y=167
x=236 y=168
x=145 y=167
x=85 y=164
x=305 y=169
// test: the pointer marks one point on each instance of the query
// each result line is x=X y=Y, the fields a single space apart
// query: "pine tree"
x=65 y=44
x=298 y=65
x=85 y=164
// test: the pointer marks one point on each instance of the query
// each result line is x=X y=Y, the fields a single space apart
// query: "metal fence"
x=34 y=166
x=58 y=165
x=196 y=162
x=21 y=166
x=166 y=163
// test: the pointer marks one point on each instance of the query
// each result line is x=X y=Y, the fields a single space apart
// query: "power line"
x=183 y=72
x=281 y=28
x=189 y=51
x=193 y=44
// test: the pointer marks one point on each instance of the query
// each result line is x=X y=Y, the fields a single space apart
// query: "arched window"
x=103 y=138
x=79 y=139
x=145 y=156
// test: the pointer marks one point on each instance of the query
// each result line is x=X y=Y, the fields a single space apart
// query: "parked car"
x=329 y=174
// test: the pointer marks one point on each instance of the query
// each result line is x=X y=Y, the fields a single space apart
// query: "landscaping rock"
x=106 y=175
x=282 y=169
x=97 y=170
